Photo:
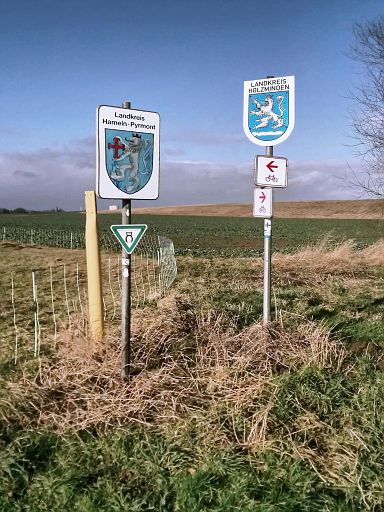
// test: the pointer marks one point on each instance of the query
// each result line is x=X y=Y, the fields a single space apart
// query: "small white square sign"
x=271 y=171
x=262 y=203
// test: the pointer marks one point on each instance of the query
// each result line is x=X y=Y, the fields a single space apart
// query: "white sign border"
x=257 y=190
x=105 y=189
x=291 y=125
x=270 y=185
x=129 y=250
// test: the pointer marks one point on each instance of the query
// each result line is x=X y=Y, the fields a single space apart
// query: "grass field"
x=222 y=414
x=215 y=236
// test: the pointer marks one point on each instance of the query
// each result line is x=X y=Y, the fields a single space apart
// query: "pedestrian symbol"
x=129 y=235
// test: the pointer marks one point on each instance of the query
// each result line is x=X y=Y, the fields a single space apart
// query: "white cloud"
x=203 y=138
x=187 y=182
x=47 y=178
x=322 y=179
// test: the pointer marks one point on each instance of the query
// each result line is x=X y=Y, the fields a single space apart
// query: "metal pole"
x=126 y=290
x=267 y=260
x=267 y=254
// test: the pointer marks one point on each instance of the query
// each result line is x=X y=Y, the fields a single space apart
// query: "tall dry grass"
x=344 y=257
x=189 y=364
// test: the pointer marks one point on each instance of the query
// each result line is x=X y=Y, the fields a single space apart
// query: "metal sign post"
x=267 y=260
x=128 y=166
x=126 y=282
x=270 y=172
x=269 y=118
x=128 y=235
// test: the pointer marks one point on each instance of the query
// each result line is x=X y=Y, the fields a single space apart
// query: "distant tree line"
x=23 y=210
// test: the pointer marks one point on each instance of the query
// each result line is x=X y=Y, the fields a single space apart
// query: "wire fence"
x=49 y=236
x=35 y=304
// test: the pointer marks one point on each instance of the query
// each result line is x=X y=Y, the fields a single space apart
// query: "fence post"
x=95 y=301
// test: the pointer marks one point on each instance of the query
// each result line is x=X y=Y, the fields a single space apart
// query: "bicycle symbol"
x=262 y=209
x=271 y=177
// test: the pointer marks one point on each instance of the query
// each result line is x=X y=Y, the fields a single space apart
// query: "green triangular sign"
x=129 y=235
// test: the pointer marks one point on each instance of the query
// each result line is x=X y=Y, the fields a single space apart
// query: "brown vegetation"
x=354 y=209
x=188 y=364
x=190 y=360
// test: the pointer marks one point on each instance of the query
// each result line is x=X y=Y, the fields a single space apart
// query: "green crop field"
x=221 y=414
x=204 y=236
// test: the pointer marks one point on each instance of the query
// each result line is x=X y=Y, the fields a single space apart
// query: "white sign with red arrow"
x=262 y=203
x=271 y=171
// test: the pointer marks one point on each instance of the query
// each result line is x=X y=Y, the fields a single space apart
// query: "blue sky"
x=187 y=61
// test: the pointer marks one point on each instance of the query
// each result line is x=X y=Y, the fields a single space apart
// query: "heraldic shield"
x=128 y=159
x=269 y=113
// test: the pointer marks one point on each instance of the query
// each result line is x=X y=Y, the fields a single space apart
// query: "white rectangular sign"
x=262 y=203
x=271 y=171
x=128 y=153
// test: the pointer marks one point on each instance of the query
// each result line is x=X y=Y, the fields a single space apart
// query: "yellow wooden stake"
x=95 y=297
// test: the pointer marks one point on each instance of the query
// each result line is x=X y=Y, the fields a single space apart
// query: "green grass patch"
x=141 y=471
x=245 y=307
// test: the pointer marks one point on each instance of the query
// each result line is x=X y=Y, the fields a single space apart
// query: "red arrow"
x=272 y=167
x=263 y=197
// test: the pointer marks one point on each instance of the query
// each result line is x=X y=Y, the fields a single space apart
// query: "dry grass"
x=344 y=257
x=351 y=209
x=189 y=364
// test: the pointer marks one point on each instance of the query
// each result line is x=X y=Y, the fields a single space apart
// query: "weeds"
x=221 y=413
